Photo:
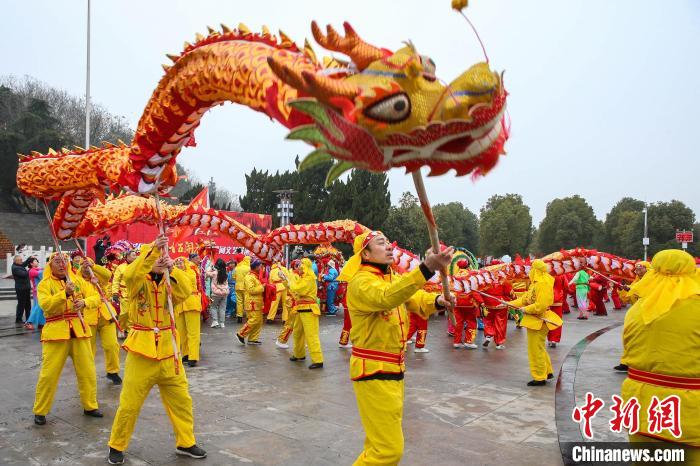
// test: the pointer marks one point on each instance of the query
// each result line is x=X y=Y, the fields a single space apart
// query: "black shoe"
x=185 y=358
x=93 y=413
x=239 y=320
x=293 y=358
x=536 y=383
x=193 y=452
x=39 y=419
x=116 y=380
x=241 y=339
x=621 y=368
x=115 y=456
x=550 y=376
x=254 y=342
x=486 y=342
x=316 y=365
x=192 y=363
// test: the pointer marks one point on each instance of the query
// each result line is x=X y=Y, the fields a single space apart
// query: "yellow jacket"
x=275 y=278
x=535 y=302
x=242 y=270
x=304 y=289
x=194 y=300
x=148 y=306
x=668 y=345
x=53 y=301
x=95 y=309
x=118 y=285
x=254 y=291
x=379 y=304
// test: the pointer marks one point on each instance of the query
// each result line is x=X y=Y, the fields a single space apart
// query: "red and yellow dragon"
x=381 y=109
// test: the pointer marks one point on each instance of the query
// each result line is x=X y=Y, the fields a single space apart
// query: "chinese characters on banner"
x=661 y=415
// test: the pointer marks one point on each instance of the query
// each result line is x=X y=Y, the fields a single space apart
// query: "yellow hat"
x=540 y=273
x=358 y=245
x=671 y=277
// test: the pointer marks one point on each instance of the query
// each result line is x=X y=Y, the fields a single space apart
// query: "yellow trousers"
x=189 y=324
x=253 y=326
x=140 y=375
x=540 y=364
x=124 y=314
x=53 y=358
x=110 y=346
x=380 y=403
x=280 y=296
x=240 y=303
x=306 y=334
x=286 y=331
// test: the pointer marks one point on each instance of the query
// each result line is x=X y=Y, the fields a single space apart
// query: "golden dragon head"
x=384 y=110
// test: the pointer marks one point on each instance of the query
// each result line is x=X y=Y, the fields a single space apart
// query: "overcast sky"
x=603 y=94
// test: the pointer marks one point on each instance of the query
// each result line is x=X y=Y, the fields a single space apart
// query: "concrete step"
x=7 y=294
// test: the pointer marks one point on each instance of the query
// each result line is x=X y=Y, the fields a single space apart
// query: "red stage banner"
x=188 y=240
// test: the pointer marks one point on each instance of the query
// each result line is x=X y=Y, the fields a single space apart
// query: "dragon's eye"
x=392 y=109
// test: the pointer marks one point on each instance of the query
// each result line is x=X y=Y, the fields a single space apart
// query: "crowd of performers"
x=130 y=298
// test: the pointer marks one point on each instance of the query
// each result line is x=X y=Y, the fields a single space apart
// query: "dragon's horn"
x=322 y=88
x=359 y=51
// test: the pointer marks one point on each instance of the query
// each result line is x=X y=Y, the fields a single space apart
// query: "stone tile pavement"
x=255 y=407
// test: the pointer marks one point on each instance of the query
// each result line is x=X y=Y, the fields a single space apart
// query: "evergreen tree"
x=505 y=226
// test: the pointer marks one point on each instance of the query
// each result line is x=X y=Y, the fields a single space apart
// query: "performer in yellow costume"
x=254 y=290
x=151 y=357
x=628 y=296
x=661 y=339
x=100 y=320
x=303 y=288
x=283 y=337
x=61 y=295
x=120 y=294
x=379 y=302
x=242 y=269
x=281 y=296
x=535 y=305
x=189 y=314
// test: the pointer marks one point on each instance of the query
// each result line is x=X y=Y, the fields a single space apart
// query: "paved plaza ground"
x=255 y=407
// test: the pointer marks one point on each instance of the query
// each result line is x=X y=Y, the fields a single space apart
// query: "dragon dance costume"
x=65 y=334
x=304 y=292
x=98 y=317
x=496 y=318
x=379 y=302
x=254 y=302
x=661 y=340
x=281 y=296
x=151 y=357
x=242 y=269
x=188 y=316
x=535 y=303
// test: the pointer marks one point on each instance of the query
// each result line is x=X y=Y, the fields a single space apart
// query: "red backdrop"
x=189 y=240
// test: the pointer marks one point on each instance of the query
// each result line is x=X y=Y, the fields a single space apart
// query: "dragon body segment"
x=101 y=217
x=379 y=110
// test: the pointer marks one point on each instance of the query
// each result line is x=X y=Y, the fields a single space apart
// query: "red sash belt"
x=70 y=315
x=375 y=355
x=304 y=301
x=143 y=328
x=670 y=381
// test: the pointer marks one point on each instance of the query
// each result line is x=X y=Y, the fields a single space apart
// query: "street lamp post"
x=645 y=240
x=285 y=213
x=87 y=83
